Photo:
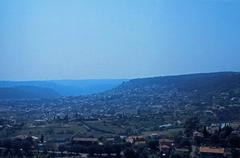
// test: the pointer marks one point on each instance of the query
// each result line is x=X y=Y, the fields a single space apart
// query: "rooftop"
x=85 y=139
x=213 y=150
x=166 y=141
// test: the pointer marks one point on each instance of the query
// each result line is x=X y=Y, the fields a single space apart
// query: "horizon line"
x=124 y=78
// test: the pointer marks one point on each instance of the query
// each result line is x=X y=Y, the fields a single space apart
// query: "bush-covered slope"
x=163 y=90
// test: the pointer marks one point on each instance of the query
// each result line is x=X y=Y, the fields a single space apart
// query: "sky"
x=93 y=39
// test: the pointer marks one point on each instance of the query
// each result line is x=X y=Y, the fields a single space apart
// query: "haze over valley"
x=120 y=79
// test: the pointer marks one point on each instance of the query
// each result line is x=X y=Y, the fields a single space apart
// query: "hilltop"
x=172 y=90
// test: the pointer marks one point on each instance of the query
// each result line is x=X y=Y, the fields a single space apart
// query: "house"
x=24 y=137
x=211 y=152
x=197 y=134
x=135 y=139
x=166 y=146
x=167 y=142
x=165 y=126
x=154 y=136
x=185 y=152
x=109 y=140
x=84 y=141
x=197 y=137
x=236 y=132
x=40 y=122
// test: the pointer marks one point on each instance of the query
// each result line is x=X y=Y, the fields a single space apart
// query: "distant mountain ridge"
x=27 y=92
x=67 y=87
x=143 y=91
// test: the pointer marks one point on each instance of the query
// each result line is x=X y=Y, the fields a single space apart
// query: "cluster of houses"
x=166 y=146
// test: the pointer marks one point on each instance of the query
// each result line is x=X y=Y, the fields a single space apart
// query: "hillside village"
x=129 y=121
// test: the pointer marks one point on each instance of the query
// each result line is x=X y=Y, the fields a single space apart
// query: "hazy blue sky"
x=82 y=39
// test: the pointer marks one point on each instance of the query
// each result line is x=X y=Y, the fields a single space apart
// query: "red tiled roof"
x=213 y=150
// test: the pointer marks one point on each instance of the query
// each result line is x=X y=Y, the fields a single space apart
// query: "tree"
x=26 y=145
x=205 y=132
x=176 y=156
x=61 y=148
x=153 y=145
x=214 y=139
x=99 y=149
x=16 y=145
x=117 y=149
x=66 y=118
x=91 y=150
x=233 y=141
x=191 y=125
x=225 y=132
x=130 y=153
x=108 y=149
x=42 y=138
x=7 y=143
x=182 y=141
